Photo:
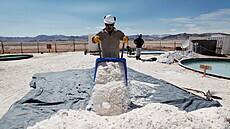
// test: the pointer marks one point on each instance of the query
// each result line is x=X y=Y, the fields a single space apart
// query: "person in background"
x=110 y=38
x=138 y=42
x=130 y=50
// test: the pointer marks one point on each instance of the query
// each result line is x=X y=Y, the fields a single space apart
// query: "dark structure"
x=205 y=47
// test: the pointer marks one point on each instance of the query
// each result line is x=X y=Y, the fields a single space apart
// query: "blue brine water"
x=221 y=68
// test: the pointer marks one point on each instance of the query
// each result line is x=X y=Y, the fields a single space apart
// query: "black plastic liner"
x=72 y=90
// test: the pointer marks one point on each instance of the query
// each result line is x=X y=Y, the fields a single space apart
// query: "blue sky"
x=82 y=17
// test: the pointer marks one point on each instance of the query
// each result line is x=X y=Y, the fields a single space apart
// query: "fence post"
x=38 y=46
x=55 y=47
x=73 y=46
x=21 y=48
x=2 y=48
x=174 y=45
x=160 y=44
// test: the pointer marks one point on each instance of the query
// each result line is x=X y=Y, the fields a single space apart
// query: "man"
x=138 y=42
x=110 y=38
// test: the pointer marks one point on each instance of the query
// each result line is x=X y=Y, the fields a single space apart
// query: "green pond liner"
x=14 y=57
x=220 y=66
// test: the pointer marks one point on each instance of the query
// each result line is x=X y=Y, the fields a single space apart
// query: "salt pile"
x=151 y=116
x=172 y=56
x=110 y=95
x=110 y=99
x=110 y=71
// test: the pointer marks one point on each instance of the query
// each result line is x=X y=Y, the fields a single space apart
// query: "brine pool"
x=220 y=67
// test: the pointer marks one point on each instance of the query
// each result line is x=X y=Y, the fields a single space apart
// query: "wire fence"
x=71 y=46
x=159 y=44
x=42 y=47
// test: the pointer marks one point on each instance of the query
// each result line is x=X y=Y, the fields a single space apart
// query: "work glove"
x=125 y=39
x=96 y=39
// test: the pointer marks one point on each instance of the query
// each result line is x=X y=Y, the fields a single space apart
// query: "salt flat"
x=16 y=75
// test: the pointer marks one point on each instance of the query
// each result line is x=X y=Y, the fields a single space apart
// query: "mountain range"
x=182 y=36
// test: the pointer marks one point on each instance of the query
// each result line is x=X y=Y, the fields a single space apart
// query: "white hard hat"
x=109 y=19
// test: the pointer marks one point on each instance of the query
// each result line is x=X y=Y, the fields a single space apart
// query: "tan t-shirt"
x=110 y=43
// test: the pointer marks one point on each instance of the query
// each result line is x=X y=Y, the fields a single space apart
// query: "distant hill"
x=182 y=36
x=44 y=38
x=185 y=36
x=147 y=37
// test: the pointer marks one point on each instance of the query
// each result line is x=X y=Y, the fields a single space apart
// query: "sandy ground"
x=16 y=75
